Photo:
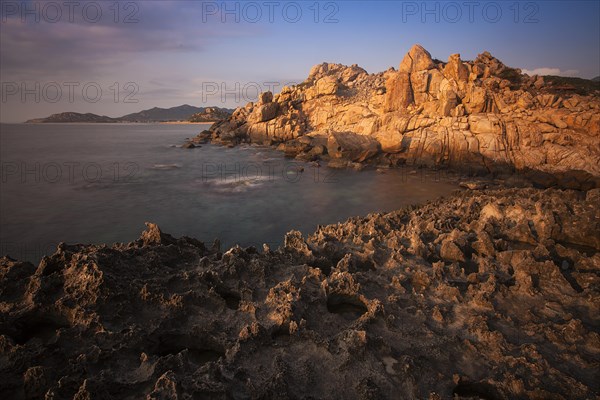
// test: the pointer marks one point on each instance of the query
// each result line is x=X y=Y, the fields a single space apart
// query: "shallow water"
x=94 y=183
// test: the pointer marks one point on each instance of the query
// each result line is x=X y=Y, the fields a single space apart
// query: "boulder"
x=327 y=86
x=449 y=251
x=265 y=97
x=399 y=94
x=351 y=73
x=265 y=112
x=203 y=137
x=448 y=101
x=420 y=85
x=390 y=141
x=455 y=69
x=353 y=147
x=417 y=59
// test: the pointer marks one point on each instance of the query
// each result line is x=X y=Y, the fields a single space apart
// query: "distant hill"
x=564 y=84
x=156 y=114
x=596 y=79
x=74 y=117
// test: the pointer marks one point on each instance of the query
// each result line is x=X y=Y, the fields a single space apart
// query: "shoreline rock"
x=485 y=293
x=479 y=115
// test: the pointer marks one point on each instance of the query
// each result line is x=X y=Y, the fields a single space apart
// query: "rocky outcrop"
x=210 y=114
x=483 y=295
x=479 y=115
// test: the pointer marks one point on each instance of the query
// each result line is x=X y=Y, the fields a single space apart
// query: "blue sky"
x=177 y=52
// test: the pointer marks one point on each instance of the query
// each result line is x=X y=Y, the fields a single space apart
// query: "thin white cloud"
x=551 y=71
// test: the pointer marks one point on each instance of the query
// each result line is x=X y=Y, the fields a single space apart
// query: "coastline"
x=443 y=299
x=421 y=294
x=300 y=201
x=473 y=176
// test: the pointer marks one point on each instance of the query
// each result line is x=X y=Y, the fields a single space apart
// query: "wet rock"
x=473 y=185
x=417 y=59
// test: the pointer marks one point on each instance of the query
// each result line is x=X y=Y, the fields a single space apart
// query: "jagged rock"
x=154 y=236
x=444 y=296
x=451 y=252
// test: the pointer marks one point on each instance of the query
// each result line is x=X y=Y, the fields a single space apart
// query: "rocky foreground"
x=491 y=295
x=478 y=115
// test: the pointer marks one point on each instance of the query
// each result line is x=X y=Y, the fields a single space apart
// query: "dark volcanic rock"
x=488 y=294
x=189 y=145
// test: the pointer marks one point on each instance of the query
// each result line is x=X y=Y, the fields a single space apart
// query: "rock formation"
x=491 y=295
x=479 y=115
x=210 y=114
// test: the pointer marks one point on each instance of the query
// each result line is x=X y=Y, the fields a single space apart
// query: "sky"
x=117 y=57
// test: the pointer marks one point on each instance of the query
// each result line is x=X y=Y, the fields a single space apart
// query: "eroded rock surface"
x=479 y=115
x=491 y=294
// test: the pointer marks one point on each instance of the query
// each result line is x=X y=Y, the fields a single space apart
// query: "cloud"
x=550 y=71
x=34 y=50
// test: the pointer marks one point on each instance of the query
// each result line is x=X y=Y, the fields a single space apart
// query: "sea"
x=99 y=183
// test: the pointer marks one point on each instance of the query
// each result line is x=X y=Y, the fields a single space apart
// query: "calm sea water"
x=92 y=183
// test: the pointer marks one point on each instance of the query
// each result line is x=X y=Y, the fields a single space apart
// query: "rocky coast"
x=483 y=295
x=479 y=116
x=487 y=294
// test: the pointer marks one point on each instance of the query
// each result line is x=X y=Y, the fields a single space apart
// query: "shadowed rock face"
x=479 y=115
x=483 y=295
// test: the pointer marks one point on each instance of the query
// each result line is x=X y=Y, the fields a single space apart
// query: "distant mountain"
x=74 y=117
x=566 y=84
x=596 y=79
x=156 y=114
